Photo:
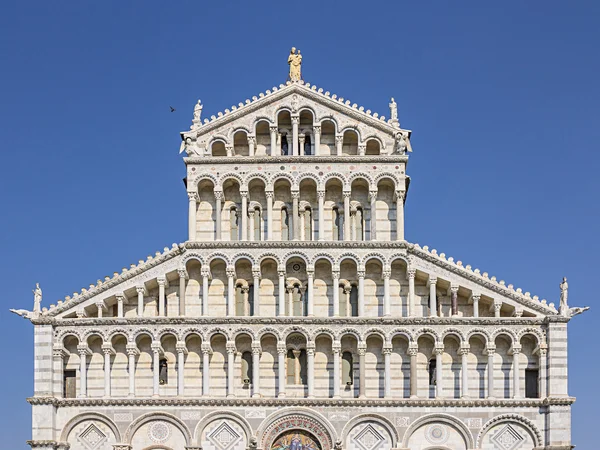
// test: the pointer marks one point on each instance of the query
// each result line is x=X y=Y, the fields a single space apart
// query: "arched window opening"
x=431 y=370
x=296 y=367
x=354 y=301
x=307 y=145
x=285 y=225
x=284 y=145
x=347 y=369
x=163 y=374
x=532 y=383
x=246 y=366
x=234 y=228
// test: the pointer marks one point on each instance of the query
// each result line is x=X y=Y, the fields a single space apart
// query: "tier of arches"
x=295 y=134
x=297 y=363
x=193 y=435
x=333 y=209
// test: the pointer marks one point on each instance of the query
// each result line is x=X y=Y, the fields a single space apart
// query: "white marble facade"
x=296 y=315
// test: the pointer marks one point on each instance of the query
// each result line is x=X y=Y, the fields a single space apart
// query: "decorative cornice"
x=296 y=244
x=295 y=159
x=311 y=402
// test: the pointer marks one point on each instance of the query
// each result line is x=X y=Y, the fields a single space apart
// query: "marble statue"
x=393 y=110
x=563 y=309
x=295 y=62
x=198 y=111
x=21 y=312
x=37 y=298
x=577 y=310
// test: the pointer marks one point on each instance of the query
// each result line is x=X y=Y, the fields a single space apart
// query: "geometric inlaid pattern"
x=224 y=437
x=92 y=437
x=369 y=438
x=159 y=432
x=436 y=433
x=508 y=438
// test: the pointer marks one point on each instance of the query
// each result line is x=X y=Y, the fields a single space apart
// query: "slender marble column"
x=387 y=354
x=301 y=140
x=387 y=273
x=206 y=351
x=361 y=292
x=140 y=292
x=251 y=144
x=339 y=142
x=162 y=281
x=120 y=300
x=229 y=149
x=251 y=220
x=439 y=351
x=290 y=292
x=373 y=198
x=281 y=273
x=310 y=369
x=346 y=195
x=310 y=272
x=230 y=292
x=281 y=354
x=244 y=195
x=295 y=122
x=476 y=298
x=400 y=215
x=256 y=289
x=336 y=292
x=132 y=352
x=296 y=215
x=317 y=135
x=181 y=352
x=218 y=213
x=58 y=358
x=464 y=353
x=321 y=196
x=303 y=225
x=454 y=299
x=275 y=151
x=256 y=351
x=193 y=204
x=432 y=297
x=205 y=272
x=411 y=292
x=337 y=350
x=108 y=351
x=412 y=351
x=491 y=350
x=296 y=354
x=100 y=306
x=353 y=235
x=543 y=373
x=362 y=370
x=516 y=373
x=497 y=307
x=230 y=346
x=182 y=276
x=155 y=367
x=269 y=195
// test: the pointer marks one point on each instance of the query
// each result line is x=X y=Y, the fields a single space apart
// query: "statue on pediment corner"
x=295 y=63
x=563 y=308
x=37 y=298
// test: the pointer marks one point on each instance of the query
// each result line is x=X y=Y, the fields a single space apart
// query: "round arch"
x=89 y=416
x=443 y=418
x=369 y=417
x=149 y=417
x=508 y=418
x=218 y=415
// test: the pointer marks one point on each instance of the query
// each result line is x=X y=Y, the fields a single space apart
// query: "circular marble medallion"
x=436 y=433
x=159 y=432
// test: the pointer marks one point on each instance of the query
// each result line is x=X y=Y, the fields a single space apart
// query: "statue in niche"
x=563 y=309
x=37 y=298
x=295 y=63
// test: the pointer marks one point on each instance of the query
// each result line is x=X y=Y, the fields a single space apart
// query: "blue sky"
x=502 y=99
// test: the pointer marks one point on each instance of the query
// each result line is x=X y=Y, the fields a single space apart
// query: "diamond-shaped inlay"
x=92 y=437
x=369 y=438
x=224 y=437
x=508 y=438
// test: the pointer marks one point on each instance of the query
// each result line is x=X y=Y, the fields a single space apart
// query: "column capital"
x=361 y=272
x=101 y=304
x=251 y=140
x=273 y=128
x=373 y=194
x=362 y=348
x=490 y=349
x=454 y=288
x=386 y=272
x=162 y=280
x=295 y=194
x=516 y=349
x=229 y=149
x=180 y=347
x=411 y=272
x=230 y=347
x=281 y=272
x=256 y=348
x=339 y=138
x=476 y=297
x=121 y=447
x=230 y=271
x=132 y=349
x=387 y=350
x=58 y=351
x=497 y=306
x=206 y=348
x=346 y=194
x=317 y=129
x=295 y=119
x=244 y=193
x=335 y=274
x=543 y=351
x=310 y=271
x=83 y=349
x=412 y=351
x=108 y=349
x=400 y=195
x=432 y=280
x=320 y=194
x=336 y=347
x=218 y=195
x=250 y=213
x=120 y=297
x=141 y=290
x=205 y=271
x=156 y=347
x=256 y=273
x=438 y=349
x=281 y=348
x=464 y=350
x=269 y=194
x=182 y=273
x=193 y=196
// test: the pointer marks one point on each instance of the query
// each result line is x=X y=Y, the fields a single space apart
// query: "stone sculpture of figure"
x=295 y=62
x=37 y=298
x=577 y=310
x=198 y=111
x=393 y=110
x=338 y=445
x=563 y=309
x=21 y=312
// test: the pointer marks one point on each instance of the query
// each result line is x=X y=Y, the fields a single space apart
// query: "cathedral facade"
x=296 y=316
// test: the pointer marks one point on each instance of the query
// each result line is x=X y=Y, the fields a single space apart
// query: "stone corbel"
x=157 y=347
x=58 y=351
x=132 y=349
x=514 y=350
x=163 y=280
x=83 y=349
x=108 y=348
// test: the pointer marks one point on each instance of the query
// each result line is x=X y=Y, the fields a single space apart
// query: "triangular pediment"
x=293 y=97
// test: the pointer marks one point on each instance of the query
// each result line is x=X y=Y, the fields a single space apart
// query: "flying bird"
x=172 y=109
